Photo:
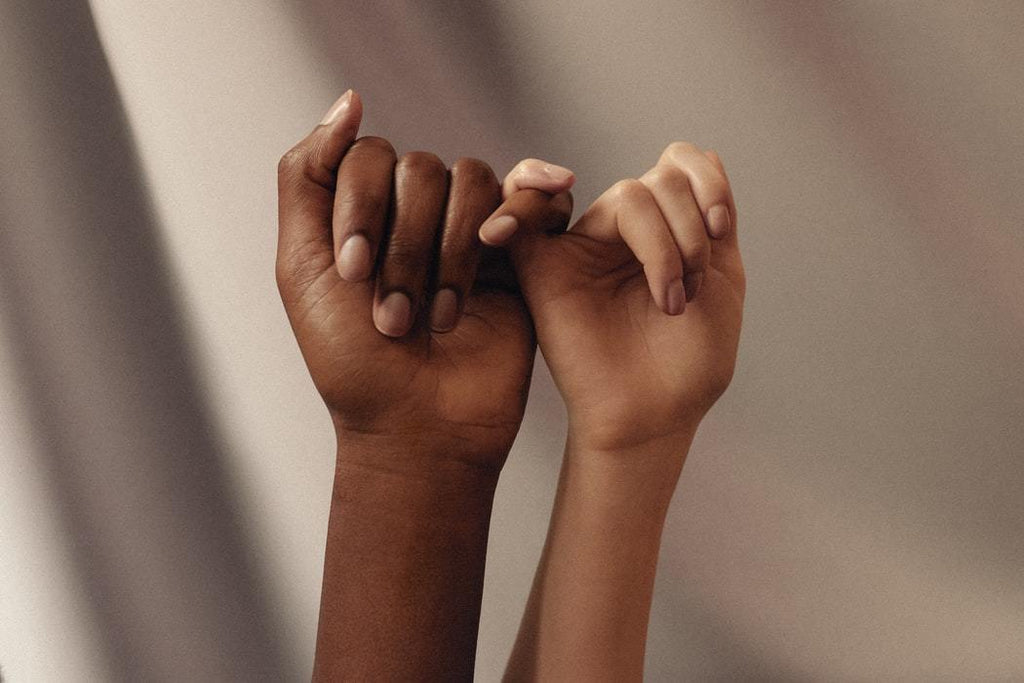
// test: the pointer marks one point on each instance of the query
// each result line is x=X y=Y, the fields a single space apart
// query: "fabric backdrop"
x=852 y=509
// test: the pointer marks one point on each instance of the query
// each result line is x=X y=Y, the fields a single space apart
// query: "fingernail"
x=393 y=316
x=498 y=230
x=691 y=281
x=337 y=109
x=444 y=310
x=557 y=173
x=718 y=221
x=675 y=297
x=354 y=258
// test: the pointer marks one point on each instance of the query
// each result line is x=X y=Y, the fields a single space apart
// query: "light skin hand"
x=638 y=365
x=634 y=360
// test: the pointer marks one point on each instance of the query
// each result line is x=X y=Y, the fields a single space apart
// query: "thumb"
x=306 y=175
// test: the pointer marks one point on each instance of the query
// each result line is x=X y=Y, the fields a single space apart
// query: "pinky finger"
x=534 y=174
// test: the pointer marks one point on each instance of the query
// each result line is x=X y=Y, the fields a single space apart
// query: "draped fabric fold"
x=851 y=510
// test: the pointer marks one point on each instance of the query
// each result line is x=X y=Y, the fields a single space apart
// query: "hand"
x=607 y=299
x=425 y=345
x=637 y=311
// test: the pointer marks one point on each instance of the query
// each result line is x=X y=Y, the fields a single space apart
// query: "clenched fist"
x=413 y=331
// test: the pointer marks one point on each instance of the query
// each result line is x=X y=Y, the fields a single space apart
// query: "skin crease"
x=636 y=381
x=464 y=389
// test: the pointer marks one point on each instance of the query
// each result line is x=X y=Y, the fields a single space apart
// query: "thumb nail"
x=337 y=109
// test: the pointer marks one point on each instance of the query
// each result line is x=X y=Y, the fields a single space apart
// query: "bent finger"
x=671 y=190
x=637 y=220
x=361 y=199
x=473 y=193
x=710 y=186
x=537 y=175
x=533 y=210
x=421 y=189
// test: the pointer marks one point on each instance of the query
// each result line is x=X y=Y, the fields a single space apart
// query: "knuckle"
x=680 y=148
x=292 y=161
x=420 y=164
x=363 y=200
x=629 y=190
x=670 y=178
x=717 y=189
x=374 y=142
x=474 y=171
x=407 y=256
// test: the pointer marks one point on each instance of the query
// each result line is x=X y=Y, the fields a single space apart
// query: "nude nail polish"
x=557 y=173
x=354 y=258
x=496 y=231
x=718 y=221
x=393 y=316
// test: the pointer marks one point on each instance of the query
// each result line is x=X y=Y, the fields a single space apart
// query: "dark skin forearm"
x=413 y=333
x=404 y=568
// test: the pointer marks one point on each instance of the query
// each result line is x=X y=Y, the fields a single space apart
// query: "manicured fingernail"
x=718 y=221
x=557 y=173
x=444 y=310
x=393 y=316
x=675 y=297
x=337 y=109
x=498 y=230
x=354 y=258
x=691 y=281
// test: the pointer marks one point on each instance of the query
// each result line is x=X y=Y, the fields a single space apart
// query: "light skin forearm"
x=586 y=618
x=404 y=567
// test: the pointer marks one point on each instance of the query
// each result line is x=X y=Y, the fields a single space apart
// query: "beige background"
x=853 y=509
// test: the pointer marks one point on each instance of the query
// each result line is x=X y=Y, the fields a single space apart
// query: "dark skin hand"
x=419 y=343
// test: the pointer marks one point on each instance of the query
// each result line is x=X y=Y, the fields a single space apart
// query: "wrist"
x=622 y=438
x=633 y=472
x=406 y=546
x=421 y=456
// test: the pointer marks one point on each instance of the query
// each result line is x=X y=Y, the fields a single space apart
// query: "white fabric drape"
x=853 y=509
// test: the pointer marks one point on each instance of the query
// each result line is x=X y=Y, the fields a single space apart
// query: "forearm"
x=404 y=567
x=587 y=614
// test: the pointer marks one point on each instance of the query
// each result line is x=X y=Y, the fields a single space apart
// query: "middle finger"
x=421 y=188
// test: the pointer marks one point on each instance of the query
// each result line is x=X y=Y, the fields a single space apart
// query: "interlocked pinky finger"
x=528 y=174
x=536 y=174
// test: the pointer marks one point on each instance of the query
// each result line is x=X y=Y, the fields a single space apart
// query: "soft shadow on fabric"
x=132 y=457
